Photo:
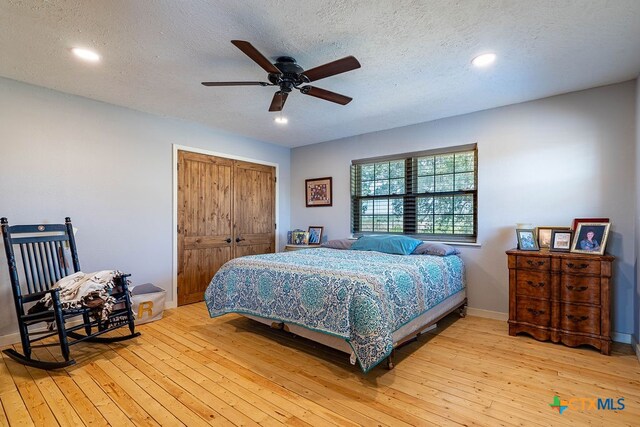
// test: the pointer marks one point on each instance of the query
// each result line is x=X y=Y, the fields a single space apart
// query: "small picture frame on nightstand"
x=315 y=234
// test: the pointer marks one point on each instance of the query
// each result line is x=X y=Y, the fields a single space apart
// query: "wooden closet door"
x=254 y=207
x=205 y=205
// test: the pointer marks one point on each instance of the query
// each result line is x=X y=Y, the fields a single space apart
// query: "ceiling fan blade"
x=277 y=103
x=326 y=95
x=236 y=84
x=332 y=68
x=253 y=53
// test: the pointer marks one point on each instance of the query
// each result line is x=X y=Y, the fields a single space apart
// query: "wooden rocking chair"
x=42 y=251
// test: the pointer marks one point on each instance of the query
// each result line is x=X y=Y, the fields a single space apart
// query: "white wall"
x=110 y=169
x=544 y=162
x=637 y=224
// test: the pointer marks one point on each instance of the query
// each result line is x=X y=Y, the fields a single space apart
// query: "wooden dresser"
x=562 y=297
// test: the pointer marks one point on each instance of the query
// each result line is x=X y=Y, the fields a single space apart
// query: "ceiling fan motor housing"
x=291 y=74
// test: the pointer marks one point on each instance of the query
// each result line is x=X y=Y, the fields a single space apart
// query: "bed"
x=364 y=303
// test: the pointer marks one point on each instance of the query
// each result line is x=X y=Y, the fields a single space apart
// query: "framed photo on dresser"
x=561 y=240
x=544 y=235
x=577 y=221
x=527 y=240
x=591 y=238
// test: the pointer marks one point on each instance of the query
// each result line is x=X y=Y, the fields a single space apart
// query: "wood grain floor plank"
x=31 y=395
x=6 y=380
x=188 y=359
x=382 y=404
x=278 y=366
x=283 y=401
x=15 y=409
x=189 y=369
x=182 y=395
x=206 y=396
x=4 y=422
x=61 y=408
x=542 y=405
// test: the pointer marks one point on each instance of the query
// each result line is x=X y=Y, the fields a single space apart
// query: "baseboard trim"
x=497 y=315
x=9 y=339
x=636 y=347
x=487 y=314
x=620 y=337
x=14 y=338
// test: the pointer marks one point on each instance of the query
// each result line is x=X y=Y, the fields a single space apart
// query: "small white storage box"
x=147 y=302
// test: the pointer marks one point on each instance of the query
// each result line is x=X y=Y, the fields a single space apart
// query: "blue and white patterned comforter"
x=360 y=296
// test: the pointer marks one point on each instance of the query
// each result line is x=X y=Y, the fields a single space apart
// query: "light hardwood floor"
x=188 y=369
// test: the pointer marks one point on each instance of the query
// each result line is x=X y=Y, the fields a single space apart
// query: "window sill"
x=469 y=244
x=474 y=244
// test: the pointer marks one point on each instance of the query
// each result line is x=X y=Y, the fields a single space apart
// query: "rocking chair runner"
x=43 y=264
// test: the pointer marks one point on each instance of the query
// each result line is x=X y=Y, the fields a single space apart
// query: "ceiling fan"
x=288 y=75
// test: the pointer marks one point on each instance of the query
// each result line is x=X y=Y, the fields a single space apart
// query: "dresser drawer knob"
x=580 y=289
x=576 y=319
x=577 y=267
x=532 y=263
x=535 y=285
x=535 y=312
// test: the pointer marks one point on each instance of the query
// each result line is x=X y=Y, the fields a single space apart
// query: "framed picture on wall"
x=318 y=192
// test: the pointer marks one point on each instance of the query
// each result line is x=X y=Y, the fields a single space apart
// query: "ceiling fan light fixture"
x=86 y=54
x=484 y=60
x=281 y=120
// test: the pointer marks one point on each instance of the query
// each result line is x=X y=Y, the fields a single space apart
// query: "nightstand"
x=289 y=248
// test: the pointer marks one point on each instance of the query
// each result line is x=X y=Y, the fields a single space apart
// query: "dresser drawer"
x=533 y=311
x=580 y=289
x=580 y=318
x=533 y=283
x=533 y=262
x=581 y=266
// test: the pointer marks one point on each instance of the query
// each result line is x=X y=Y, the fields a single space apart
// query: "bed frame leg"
x=390 y=364
x=462 y=310
x=277 y=325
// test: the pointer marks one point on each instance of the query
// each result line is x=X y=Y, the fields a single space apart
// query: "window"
x=429 y=194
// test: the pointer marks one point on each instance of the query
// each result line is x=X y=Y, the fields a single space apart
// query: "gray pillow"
x=433 y=248
x=338 y=244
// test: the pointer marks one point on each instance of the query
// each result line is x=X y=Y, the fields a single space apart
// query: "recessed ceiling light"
x=87 y=55
x=484 y=59
x=281 y=120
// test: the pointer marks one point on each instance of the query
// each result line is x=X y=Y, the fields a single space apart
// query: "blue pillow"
x=401 y=245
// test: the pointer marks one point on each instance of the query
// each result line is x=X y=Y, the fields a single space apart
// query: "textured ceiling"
x=415 y=56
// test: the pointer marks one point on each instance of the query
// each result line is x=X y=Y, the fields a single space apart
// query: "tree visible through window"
x=427 y=194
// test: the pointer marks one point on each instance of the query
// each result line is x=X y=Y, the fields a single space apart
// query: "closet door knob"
x=238 y=239
x=228 y=240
